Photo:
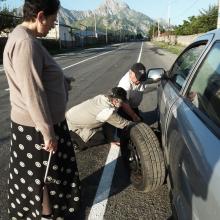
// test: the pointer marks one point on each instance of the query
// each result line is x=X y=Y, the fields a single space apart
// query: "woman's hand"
x=50 y=145
x=69 y=80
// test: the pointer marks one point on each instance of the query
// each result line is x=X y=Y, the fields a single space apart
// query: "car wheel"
x=144 y=157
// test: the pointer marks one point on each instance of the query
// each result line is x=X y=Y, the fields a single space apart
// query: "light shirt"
x=134 y=92
x=37 y=88
x=87 y=117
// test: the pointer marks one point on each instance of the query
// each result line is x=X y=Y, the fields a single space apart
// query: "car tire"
x=143 y=155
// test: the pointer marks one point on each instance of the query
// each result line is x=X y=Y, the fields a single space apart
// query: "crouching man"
x=97 y=114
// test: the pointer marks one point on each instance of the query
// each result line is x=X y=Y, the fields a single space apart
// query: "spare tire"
x=144 y=156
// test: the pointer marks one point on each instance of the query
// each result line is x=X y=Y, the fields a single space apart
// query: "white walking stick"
x=48 y=165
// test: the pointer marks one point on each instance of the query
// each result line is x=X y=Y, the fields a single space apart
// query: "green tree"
x=154 y=30
x=7 y=20
x=205 y=21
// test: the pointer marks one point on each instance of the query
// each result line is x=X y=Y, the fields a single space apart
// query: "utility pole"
x=158 y=28
x=168 y=20
x=59 y=32
x=218 y=21
x=84 y=29
x=153 y=30
x=106 y=22
x=95 y=24
x=106 y=34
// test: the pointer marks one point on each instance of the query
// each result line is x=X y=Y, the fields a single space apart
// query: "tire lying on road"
x=144 y=157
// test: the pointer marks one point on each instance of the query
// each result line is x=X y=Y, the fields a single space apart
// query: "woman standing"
x=38 y=102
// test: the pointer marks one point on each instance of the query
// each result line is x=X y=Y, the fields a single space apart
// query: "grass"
x=176 y=49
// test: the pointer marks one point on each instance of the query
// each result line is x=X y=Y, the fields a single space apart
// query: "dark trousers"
x=104 y=136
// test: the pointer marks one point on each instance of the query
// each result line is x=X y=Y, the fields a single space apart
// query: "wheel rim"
x=134 y=163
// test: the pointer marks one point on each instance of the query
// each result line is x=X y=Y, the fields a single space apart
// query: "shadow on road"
x=90 y=183
x=156 y=50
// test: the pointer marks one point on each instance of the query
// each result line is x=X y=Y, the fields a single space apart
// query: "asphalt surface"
x=96 y=71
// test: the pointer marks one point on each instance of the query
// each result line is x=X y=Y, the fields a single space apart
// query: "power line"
x=186 y=9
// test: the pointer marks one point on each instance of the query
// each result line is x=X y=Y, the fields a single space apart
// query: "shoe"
x=78 y=143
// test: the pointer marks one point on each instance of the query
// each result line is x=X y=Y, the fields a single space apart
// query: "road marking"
x=67 y=67
x=90 y=58
x=86 y=60
x=85 y=50
x=101 y=198
x=139 y=58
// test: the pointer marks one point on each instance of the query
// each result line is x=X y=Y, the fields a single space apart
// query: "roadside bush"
x=51 y=45
x=3 y=41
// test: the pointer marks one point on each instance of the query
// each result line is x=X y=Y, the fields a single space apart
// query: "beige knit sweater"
x=36 y=82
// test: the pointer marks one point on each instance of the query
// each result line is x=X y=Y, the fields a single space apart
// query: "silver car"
x=189 y=124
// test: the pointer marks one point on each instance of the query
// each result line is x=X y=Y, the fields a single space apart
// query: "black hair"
x=139 y=71
x=118 y=93
x=32 y=7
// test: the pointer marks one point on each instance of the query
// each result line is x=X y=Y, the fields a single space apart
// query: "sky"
x=176 y=10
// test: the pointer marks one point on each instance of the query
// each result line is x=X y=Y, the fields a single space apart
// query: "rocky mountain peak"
x=111 y=7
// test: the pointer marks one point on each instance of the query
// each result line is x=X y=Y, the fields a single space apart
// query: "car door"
x=170 y=89
x=193 y=140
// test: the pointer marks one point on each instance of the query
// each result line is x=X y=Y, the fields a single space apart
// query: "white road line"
x=87 y=60
x=67 y=67
x=139 y=58
x=74 y=53
x=90 y=58
x=101 y=198
x=56 y=58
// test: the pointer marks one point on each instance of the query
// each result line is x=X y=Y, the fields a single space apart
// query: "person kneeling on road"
x=97 y=114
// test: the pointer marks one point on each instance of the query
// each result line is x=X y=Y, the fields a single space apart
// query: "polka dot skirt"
x=27 y=167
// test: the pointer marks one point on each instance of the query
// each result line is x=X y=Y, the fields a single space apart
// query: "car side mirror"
x=155 y=75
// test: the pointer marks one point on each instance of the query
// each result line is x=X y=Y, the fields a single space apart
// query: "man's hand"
x=50 y=145
x=136 y=118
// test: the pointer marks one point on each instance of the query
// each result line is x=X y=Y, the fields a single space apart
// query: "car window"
x=184 y=64
x=204 y=92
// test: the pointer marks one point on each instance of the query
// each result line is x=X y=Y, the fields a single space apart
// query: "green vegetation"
x=177 y=49
x=206 y=21
x=153 y=30
x=7 y=20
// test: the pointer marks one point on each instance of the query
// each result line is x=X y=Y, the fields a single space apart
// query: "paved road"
x=96 y=71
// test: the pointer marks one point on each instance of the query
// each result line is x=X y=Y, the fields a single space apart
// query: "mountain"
x=115 y=14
